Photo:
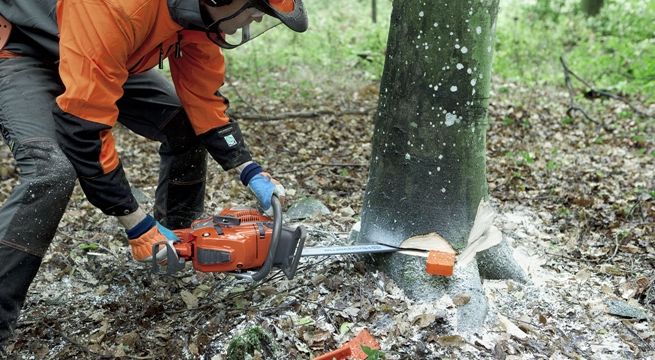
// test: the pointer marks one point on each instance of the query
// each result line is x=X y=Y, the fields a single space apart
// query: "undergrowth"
x=343 y=49
x=614 y=50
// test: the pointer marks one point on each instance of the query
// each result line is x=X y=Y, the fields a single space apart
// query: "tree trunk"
x=428 y=169
x=374 y=11
x=591 y=7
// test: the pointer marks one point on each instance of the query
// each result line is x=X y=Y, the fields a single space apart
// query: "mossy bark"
x=428 y=168
x=591 y=7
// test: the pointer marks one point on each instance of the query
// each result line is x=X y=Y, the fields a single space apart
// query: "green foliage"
x=249 y=341
x=372 y=354
x=341 y=48
x=614 y=50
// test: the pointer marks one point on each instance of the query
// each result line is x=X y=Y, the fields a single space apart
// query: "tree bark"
x=591 y=7
x=428 y=168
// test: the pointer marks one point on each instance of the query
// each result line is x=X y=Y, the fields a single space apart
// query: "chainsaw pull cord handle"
x=272 y=249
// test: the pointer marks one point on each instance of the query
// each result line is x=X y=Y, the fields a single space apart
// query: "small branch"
x=81 y=347
x=321 y=165
x=600 y=93
x=300 y=114
x=616 y=247
x=574 y=107
x=634 y=333
x=236 y=91
x=592 y=261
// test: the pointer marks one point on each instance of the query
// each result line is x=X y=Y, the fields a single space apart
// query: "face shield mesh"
x=243 y=34
x=289 y=12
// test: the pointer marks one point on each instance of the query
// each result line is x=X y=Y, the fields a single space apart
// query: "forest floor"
x=575 y=198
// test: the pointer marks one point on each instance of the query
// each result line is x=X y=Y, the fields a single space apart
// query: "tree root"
x=408 y=272
x=498 y=263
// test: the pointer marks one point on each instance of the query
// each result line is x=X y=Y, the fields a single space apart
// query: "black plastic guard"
x=173 y=262
x=289 y=250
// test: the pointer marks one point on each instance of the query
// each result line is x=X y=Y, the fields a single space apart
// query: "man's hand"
x=260 y=183
x=144 y=235
x=264 y=186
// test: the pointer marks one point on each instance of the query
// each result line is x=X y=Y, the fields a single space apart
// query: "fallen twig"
x=236 y=91
x=300 y=114
x=574 y=107
x=295 y=169
x=634 y=333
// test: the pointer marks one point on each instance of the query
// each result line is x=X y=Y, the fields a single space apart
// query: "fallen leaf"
x=511 y=329
x=345 y=327
x=314 y=337
x=583 y=275
x=305 y=321
x=451 y=340
x=189 y=299
x=461 y=299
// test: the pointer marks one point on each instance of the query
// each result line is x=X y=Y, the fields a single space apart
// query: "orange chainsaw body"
x=236 y=239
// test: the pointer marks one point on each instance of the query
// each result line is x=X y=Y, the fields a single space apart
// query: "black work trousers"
x=30 y=215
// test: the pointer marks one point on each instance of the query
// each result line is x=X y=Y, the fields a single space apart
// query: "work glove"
x=144 y=235
x=262 y=185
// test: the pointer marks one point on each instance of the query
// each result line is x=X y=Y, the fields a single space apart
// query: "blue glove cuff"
x=249 y=172
x=141 y=228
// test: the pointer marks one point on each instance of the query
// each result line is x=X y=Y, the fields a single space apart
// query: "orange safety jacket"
x=100 y=44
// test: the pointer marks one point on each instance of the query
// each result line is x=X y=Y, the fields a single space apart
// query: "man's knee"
x=43 y=164
x=29 y=217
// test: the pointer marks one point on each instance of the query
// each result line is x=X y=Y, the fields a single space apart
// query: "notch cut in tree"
x=428 y=168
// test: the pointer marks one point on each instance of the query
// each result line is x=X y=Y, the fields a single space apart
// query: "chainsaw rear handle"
x=272 y=249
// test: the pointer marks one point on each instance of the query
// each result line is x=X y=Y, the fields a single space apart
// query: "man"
x=69 y=70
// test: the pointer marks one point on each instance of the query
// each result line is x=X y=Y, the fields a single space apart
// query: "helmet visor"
x=289 y=12
x=242 y=35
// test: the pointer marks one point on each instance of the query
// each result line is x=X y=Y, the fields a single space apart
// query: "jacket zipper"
x=178 y=50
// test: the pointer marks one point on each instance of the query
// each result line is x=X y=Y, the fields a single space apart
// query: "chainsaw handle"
x=272 y=249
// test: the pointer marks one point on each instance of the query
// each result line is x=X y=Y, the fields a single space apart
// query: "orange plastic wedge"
x=440 y=263
x=353 y=348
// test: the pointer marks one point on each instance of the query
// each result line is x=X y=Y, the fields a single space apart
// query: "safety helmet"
x=288 y=12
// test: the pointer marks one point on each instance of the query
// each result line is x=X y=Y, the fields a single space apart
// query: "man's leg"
x=30 y=215
x=151 y=108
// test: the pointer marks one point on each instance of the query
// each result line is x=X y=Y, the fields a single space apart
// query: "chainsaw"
x=248 y=244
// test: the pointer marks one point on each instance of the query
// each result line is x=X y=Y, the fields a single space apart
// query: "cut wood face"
x=427 y=242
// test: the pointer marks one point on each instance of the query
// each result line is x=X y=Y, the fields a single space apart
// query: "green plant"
x=372 y=354
x=527 y=157
x=567 y=120
x=249 y=341
x=552 y=165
